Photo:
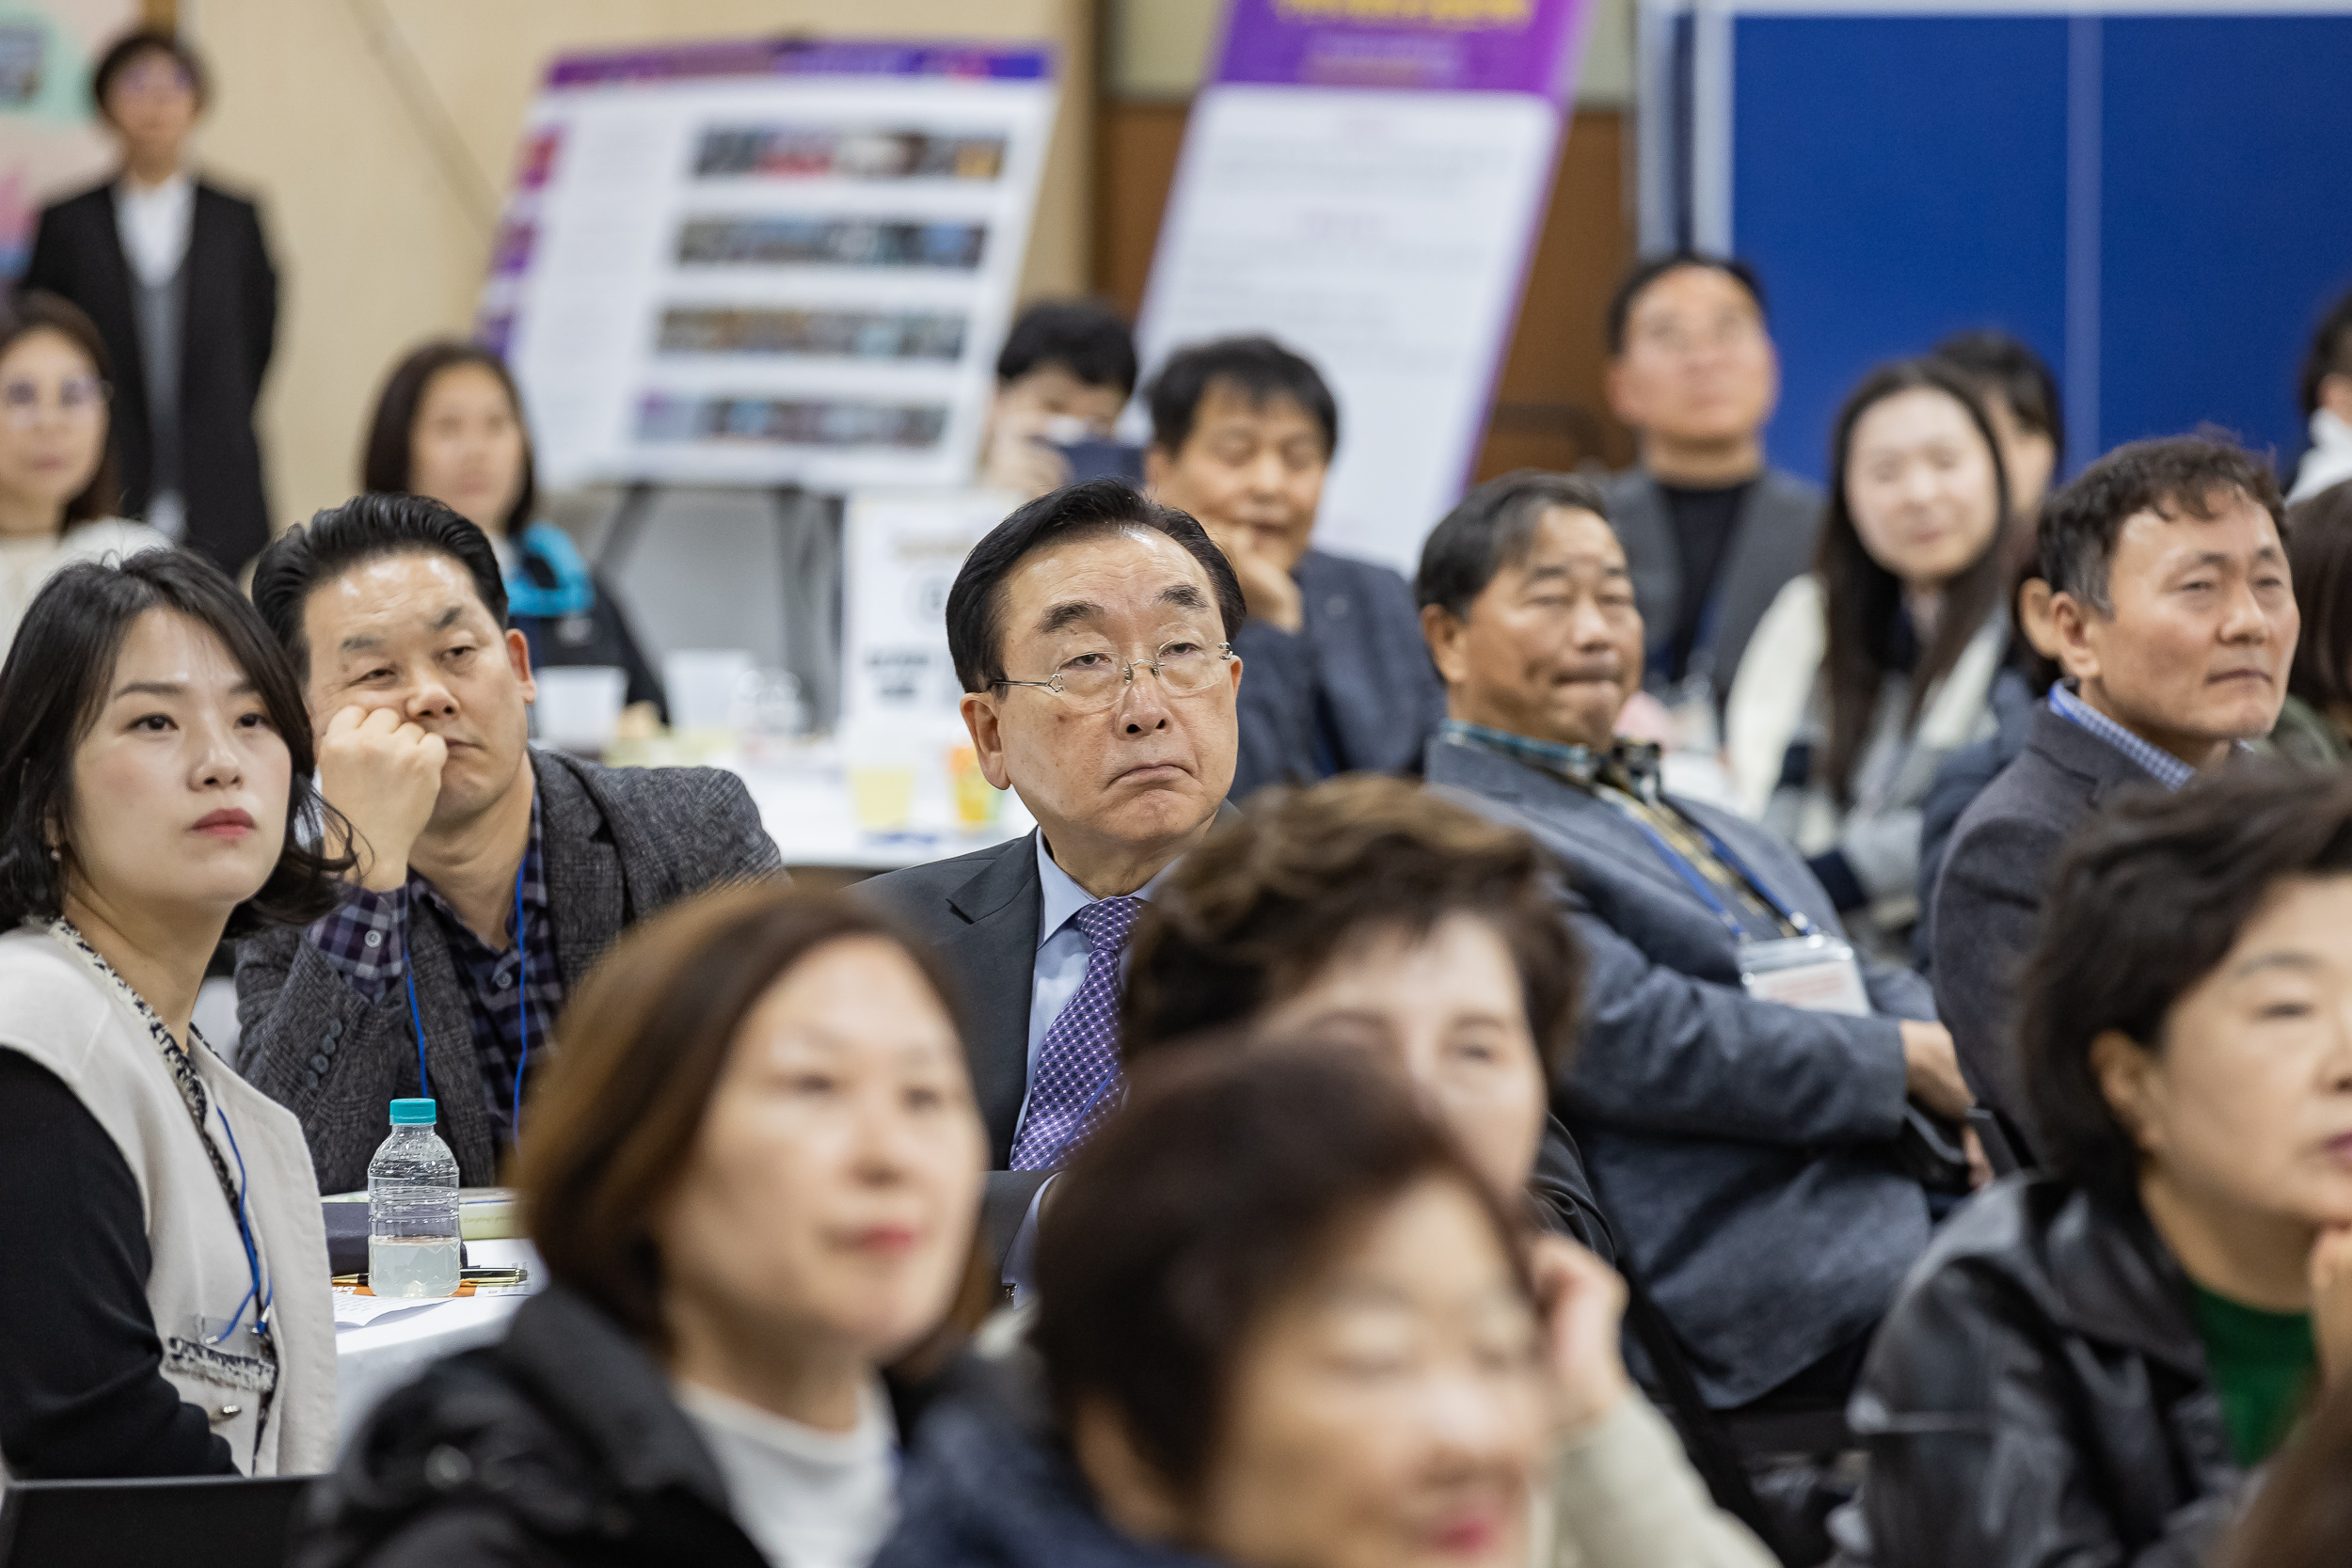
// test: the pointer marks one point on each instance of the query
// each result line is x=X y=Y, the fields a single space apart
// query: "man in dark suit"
x=176 y=275
x=1710 y=533
x=2176 y=623
x=1745 y=1146
x=1090 y=630
x=489 y=877
x=1243 y=430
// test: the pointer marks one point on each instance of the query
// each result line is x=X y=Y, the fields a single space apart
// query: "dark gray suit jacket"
x=1988 y=901
x=616 y=845
x=1772 y=541
x=1745 y=1149
x=979 y=914
x=1361 y=651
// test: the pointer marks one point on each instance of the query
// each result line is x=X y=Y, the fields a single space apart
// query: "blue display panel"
x=1896 y=179
x=2226 y=205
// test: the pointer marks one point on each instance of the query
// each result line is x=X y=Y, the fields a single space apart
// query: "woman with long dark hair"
x=165 y=1308
x=449 y=424
x=1867 y=674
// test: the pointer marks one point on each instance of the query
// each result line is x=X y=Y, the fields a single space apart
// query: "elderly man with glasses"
x=1092 y=632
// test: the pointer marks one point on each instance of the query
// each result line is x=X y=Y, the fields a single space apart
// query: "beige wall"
x=378 y=135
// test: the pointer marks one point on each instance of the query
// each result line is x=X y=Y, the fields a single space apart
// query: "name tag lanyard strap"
x=1697 y=882
x=261 y=1295
x=522 y=1009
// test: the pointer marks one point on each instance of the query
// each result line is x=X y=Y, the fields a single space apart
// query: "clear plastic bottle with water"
x=414 y=1245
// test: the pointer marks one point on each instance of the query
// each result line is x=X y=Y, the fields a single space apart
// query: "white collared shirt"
x=154 y=221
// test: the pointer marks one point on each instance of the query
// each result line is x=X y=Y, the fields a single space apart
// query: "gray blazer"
x=1988 y=899
x=979 y=914
x=1361 y=653
x=1744 y=1148
x=1774 y=540
x=615 y=843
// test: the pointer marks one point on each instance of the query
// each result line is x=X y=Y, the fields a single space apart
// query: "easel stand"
x=808 y=526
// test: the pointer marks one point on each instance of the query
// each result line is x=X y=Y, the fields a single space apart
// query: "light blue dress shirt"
x=1061 y=966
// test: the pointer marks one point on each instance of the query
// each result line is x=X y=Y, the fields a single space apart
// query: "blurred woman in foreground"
x=752 y=1174
x=1283 y=1323
x=1414 y=937
x=2110 y=1347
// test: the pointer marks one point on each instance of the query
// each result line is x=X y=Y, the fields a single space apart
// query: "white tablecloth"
x=376 y=1360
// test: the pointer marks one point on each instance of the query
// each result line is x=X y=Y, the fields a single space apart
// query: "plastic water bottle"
x=413 y=1239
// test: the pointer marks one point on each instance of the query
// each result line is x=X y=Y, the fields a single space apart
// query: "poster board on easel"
x=776 y=263
x=1366 y=184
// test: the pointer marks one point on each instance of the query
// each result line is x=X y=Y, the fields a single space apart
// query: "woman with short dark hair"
x=57 y=490
x=1408 y=933
x=1284 y=1320
x=449 y=425
x=1368 y=909
x=165 y=1308
x=753 y=1173
x=2089 y=1360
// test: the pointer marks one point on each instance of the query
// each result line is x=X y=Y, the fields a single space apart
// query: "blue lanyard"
x=259 y=1296
x=522 y=1007
x=1696 y=879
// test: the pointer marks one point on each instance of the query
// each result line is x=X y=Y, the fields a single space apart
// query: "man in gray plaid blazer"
x=489 y=877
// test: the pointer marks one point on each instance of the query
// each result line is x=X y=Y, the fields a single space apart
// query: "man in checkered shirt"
x=489 y=876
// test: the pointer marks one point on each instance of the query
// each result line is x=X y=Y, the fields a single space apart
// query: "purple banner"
x=1445 y=45
x=802 y=58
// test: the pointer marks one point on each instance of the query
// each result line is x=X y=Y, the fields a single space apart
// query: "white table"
x=374 y=1361
x=806 y=808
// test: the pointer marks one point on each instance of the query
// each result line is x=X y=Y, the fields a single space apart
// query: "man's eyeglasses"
x=1091 y=682
x=79 y=397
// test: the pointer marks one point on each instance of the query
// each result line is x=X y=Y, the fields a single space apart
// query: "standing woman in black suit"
x=175 y=272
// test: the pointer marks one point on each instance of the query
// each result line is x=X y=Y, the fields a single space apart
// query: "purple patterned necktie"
x=1077 y=1062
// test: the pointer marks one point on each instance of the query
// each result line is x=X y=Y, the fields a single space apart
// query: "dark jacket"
x=1965 y=775
x=616 y=843
x=1988 y=901
x=1351 y=691
x=1772 y=541
x=990 y=1483
x=229 y=326
x=560 y=1445
x=2038 y=1395
x=1745 y=1149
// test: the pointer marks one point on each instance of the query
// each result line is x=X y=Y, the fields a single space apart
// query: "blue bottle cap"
x=412 y=1112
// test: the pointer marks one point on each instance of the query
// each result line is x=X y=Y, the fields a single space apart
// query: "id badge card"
x=1817 y=972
